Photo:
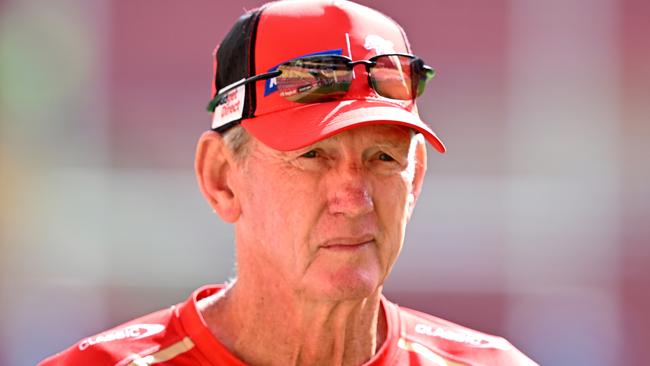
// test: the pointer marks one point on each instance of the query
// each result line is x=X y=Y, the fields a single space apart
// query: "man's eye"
x=385 y=157
x=310 y=154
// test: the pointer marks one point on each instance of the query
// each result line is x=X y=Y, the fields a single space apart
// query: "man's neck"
x=271 y=329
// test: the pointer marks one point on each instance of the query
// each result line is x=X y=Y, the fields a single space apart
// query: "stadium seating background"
x=534 y=225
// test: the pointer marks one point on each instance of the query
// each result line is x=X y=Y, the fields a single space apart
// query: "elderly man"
x=317 y=156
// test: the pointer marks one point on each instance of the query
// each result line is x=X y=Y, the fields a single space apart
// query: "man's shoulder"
x=127 y=342
x=424 y=332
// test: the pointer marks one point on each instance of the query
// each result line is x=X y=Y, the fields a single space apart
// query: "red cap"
x=285 y=30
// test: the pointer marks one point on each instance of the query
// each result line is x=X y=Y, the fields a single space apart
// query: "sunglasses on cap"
x=323 y=78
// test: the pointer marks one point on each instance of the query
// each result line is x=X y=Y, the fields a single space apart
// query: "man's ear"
x=214 y=166
x=420 y=171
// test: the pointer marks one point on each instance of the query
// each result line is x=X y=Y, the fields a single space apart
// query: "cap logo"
x=378 y=44
x=271 y=85
x=230 y=108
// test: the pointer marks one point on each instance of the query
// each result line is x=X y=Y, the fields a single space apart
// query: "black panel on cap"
x=236 y=59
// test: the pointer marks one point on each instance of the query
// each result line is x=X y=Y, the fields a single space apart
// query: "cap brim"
x=304 y=125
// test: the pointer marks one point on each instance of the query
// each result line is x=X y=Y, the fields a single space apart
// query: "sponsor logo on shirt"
x=135 y=331
x=470 y=339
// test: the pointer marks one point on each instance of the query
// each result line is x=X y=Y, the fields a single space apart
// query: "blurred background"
x=535 y=225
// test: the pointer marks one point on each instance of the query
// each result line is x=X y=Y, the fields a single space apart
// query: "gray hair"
x=236 y=139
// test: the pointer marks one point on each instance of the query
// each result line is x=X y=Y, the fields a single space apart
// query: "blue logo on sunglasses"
x=270 y=85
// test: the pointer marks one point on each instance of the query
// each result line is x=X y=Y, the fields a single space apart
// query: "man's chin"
x=345 y=286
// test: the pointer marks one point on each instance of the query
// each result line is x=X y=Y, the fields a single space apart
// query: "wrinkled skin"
x=317 y=232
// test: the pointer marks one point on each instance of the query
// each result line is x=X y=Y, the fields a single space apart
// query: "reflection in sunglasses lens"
x=391 y=77
x=328 y=78
x=314 y=80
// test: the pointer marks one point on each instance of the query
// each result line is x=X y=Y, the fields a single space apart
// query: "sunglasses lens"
x=313 y=80
x=391 y=77
x=399 y=77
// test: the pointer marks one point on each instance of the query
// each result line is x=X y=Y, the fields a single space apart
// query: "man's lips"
x=348 y=243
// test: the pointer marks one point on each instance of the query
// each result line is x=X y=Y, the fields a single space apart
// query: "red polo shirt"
x=179 y=336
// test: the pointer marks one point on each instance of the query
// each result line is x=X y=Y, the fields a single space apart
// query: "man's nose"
x=349 y=192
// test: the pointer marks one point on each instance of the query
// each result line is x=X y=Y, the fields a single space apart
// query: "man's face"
x=326 y=221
